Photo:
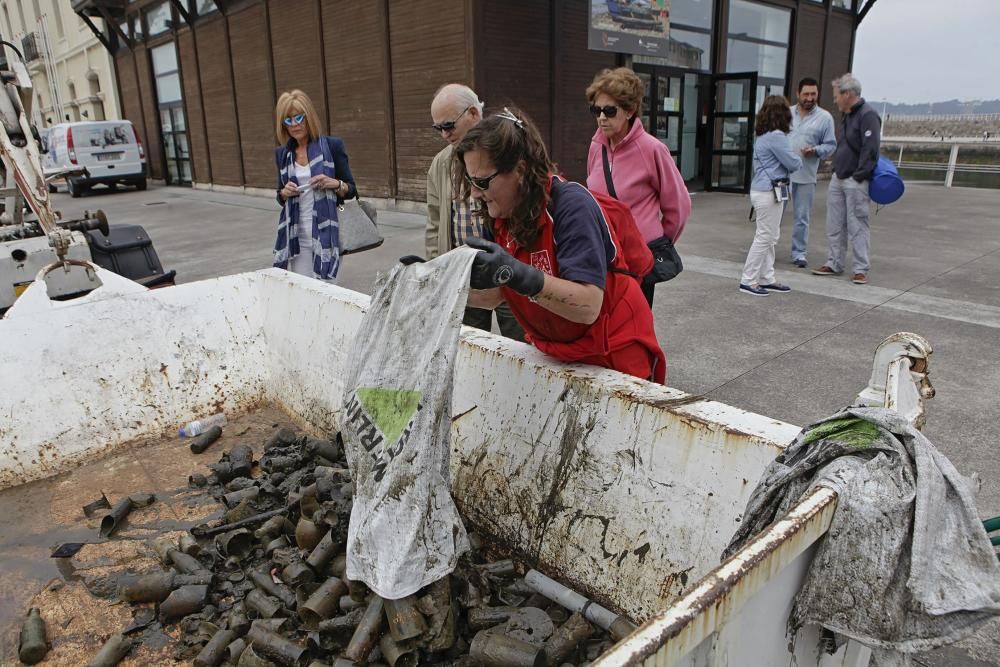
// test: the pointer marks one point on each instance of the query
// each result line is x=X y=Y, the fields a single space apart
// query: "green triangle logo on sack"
x=390 y=410
x=382 y=419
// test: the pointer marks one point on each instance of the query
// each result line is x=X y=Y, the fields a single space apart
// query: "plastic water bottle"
x=199 y=426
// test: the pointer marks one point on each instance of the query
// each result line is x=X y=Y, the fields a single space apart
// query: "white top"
x=303 y=262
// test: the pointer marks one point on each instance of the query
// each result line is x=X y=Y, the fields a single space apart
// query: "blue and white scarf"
x=325 y=227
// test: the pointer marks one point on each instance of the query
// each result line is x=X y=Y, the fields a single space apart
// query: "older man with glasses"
x=450 y=219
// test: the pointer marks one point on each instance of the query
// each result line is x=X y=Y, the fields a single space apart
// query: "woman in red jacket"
x=551 y=254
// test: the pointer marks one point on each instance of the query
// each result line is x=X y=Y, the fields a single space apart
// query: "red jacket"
x=622 y=337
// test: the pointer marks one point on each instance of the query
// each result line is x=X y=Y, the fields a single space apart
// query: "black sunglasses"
x=609 y=111
x=449 y=125
x=481 y=183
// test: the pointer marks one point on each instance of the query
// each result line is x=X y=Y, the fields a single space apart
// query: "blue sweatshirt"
x=773 y=160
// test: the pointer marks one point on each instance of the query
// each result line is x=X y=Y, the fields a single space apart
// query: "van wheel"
x=140 y=185
x=74 y=188
x=52 y=189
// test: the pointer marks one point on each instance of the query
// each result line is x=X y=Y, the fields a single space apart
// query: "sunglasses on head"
x=449 y=125
x=609 y=111
x=481 y=183
x=297 y=119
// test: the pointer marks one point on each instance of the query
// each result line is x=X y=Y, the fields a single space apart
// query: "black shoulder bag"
x=667 y=263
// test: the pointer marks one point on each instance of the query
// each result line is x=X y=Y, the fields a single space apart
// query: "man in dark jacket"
x=847 y=203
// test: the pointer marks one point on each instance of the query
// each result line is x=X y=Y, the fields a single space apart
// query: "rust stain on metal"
x=718 y=595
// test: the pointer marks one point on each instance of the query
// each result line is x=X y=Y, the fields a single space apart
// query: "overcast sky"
x=929 y=50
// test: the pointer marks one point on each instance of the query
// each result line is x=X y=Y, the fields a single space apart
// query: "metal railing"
x=945 y=116
x=949 y=168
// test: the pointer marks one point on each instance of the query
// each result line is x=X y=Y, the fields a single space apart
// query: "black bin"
x=128 y=251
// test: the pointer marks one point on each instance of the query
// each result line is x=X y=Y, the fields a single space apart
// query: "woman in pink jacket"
x=640 y=170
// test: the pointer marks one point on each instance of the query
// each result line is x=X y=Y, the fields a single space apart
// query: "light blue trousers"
x=802 y=203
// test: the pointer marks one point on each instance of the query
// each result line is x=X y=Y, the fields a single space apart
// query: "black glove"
x=495 y=267
x=411 y=259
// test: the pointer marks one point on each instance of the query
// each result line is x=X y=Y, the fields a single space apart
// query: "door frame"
x=654 y=72
x=715 y=132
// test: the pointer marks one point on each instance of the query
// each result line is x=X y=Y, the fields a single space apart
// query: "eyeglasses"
x=297 y=119
x=449 y=125
x=609 y=111
x=481 y=183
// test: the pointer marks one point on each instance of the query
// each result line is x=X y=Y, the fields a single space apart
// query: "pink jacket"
x=646 y=178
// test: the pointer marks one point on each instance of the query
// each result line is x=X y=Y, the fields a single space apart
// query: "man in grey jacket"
x=814 y=138
x=450 y=221
x=848 y=203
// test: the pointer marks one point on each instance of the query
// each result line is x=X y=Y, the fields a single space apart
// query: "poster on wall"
x=639 y=27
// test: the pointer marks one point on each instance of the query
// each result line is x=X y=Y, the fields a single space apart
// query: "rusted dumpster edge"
x=676 y=631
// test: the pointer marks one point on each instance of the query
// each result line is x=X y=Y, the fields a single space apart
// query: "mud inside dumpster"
x=269 y=583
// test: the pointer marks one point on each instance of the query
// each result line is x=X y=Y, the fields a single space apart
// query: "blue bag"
x=885 y=185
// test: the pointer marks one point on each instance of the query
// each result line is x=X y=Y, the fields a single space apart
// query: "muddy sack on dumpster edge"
x=405 y=531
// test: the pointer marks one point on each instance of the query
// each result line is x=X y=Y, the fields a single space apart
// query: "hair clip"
x=507 y=114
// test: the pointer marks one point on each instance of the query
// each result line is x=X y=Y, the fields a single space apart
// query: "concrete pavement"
x=797 y=357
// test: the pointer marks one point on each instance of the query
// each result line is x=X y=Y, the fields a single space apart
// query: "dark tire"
x=74 y=188
x=52 y=189
x=140 y=185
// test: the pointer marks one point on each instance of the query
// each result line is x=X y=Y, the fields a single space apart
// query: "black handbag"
x=667 y=263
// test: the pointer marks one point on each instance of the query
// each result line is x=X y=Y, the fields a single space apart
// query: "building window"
x=57 y=17
x=843 y=4
x=158 y=19
x=6 y=19
x=757 y=41
x=168 y=79
x=137 y=28
x=20 y=15
x=203 y=7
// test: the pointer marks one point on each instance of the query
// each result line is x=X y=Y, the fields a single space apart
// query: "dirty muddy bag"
x=405 y=531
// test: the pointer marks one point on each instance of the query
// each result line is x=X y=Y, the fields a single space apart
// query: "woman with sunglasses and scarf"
x=550 y=254
x=639 y=166
x=313 y=178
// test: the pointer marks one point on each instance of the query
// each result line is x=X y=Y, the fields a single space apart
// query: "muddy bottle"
x=33 y=645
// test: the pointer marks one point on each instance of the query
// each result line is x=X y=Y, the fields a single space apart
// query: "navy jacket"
x=858 y=149
x=341 y=167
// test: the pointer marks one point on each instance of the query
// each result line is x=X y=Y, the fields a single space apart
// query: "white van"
x=109 y=149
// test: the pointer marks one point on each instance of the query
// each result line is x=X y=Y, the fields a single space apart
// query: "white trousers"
x=759 y=267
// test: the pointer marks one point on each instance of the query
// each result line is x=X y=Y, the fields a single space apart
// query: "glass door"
x=173 y=125
x=175 y=143
x=663 y=106
x=732 y=118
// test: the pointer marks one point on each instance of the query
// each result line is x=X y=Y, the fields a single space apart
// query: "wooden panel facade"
x=837 y=55
x=221 y=119
x=128 y=87
x=151 y=116
x=297 y=46
x=372 y=68
x=810 y=33
x=255 y=95
x=574 y=68
x=427 y=44
x=359 y=90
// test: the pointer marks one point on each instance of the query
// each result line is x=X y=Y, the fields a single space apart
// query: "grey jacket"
x=857 y=151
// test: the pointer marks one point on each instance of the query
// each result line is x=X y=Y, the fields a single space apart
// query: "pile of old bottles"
x=266 y=584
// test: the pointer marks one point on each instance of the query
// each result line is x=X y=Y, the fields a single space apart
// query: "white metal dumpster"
x=626 y=490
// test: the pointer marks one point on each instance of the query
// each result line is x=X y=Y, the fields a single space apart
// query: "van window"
x=100 y=136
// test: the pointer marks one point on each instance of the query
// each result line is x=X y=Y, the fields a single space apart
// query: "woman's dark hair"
x=774 y=114
x=508 y=138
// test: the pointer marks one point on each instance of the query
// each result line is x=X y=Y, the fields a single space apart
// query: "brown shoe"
x=826 y=271
x=860 y=279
